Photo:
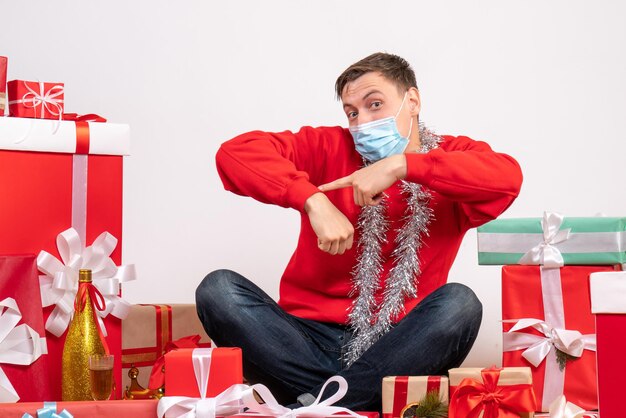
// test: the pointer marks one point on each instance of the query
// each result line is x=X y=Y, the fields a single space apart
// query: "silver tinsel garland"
x=367 y=320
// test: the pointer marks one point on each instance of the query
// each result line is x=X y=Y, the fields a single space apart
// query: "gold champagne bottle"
x=83 y=340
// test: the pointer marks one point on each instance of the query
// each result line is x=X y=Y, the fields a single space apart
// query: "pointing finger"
x=337 y=184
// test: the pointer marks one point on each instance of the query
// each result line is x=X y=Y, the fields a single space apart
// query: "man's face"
x=372 y=97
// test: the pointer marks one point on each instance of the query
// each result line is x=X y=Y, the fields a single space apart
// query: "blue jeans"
x=293 y=356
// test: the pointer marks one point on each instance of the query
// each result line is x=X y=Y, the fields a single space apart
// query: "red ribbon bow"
x=473 y=397
x=97 y=303
x=157 y=378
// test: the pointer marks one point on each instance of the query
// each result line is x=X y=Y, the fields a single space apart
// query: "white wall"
x=542 y=81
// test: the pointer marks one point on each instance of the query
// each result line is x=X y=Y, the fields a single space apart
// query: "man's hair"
x=394 y=68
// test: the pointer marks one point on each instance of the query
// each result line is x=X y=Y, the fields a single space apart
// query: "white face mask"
x=380 y=138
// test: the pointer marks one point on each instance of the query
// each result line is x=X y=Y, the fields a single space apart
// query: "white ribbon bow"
x=19 y=344
x=537 y=348
x=59 y=283
x=318 y=408
x=560 y=408
x=46 y=99
x=545 y=253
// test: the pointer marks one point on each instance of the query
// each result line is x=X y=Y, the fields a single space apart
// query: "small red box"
x=32 y=99
x=225 y=370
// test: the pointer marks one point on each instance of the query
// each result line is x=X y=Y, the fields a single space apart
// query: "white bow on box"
x=60 y=283
x=19 y=344
x=545 y=253
x=537 y=348
x=239 y=397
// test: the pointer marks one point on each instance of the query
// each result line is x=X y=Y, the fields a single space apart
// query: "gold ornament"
x=84 y=338
x=136 y=391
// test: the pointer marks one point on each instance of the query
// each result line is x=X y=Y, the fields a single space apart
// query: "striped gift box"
x=400 y=391
x=147 y=330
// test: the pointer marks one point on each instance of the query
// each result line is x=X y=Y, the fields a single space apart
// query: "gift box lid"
x=608 y=292
x=44 y=135
x=508 y=375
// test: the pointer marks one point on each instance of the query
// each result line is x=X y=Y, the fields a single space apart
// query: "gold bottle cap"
x=84 y=276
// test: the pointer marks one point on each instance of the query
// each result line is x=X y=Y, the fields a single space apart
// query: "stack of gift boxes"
x=563 y=305
x=61 y=194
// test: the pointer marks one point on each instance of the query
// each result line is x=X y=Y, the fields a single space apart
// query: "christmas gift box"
x=492 y=392
x=23 y=363
x=223 y=368
x=35 y=99
x=80 y=409
x=400 y=392
x=149 y=331
x=553 y=241
x=561 y=408
x=3 y=84
x=608 y=303
x=548 y=326
x=53 y=178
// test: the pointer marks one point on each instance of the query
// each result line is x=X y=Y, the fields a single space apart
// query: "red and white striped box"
x=400 y=391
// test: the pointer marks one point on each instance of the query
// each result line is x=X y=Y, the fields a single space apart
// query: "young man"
x=385 y=205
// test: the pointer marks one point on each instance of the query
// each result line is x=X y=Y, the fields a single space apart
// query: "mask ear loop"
x=401 y=105
x=399 y=110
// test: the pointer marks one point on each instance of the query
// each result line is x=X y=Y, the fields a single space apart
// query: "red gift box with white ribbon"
x=57 y=175
x=545 y=310
x=35 y=99
x=608 y=303
x=223 y=368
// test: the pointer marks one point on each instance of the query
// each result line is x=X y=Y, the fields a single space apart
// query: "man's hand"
x=334 y=231
x=370 y=182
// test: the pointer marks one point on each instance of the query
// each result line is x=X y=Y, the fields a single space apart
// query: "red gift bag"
x=19 y=280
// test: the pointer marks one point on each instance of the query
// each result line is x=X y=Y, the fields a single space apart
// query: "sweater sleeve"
x=276 y=168
x=482 y=182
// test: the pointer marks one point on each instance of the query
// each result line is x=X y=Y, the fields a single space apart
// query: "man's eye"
x=352 y=115
x=376 y=105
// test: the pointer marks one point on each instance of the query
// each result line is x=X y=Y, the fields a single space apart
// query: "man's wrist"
x=400 y=166
x=314 y=201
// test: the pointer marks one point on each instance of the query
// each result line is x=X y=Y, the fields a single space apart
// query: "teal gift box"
x=553 y=241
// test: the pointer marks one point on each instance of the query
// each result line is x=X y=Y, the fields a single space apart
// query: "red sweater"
x=470 y=185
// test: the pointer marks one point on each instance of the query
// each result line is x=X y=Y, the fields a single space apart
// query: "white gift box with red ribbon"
x=42 y=135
